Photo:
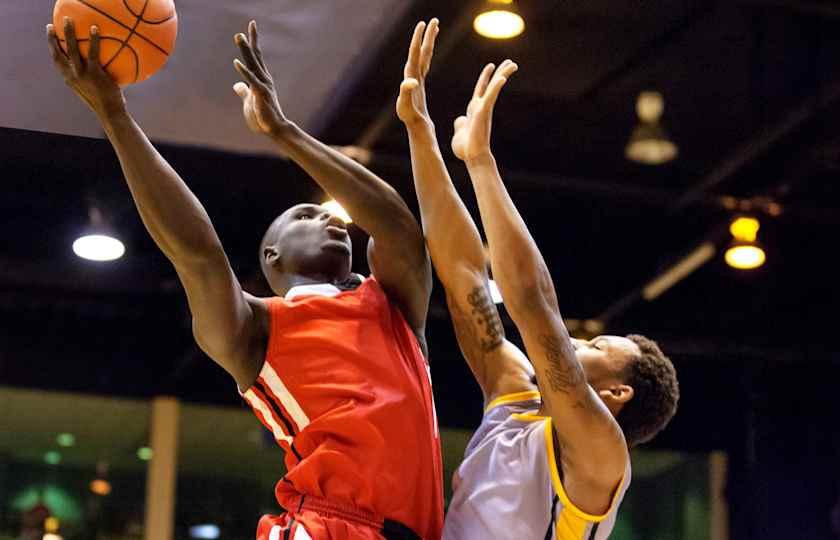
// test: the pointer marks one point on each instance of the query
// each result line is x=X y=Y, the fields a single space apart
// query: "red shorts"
x=318 y=519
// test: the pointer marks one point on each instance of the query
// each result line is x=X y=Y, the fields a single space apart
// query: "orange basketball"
x=136 y=36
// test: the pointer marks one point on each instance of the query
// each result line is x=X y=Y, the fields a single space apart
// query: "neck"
x=283 y=283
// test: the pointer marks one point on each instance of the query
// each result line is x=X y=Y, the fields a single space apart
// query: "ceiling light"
x=499 y=20
x=100 y=487
x=649 y=144
x=65 y=440
x=207 y=531
x=745 y=253
x=52 y=457
x=98 y=243
x=338 y=211
x=145 y=453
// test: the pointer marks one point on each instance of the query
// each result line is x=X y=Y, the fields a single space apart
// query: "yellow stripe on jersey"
x=572 y=521
x=512 y=398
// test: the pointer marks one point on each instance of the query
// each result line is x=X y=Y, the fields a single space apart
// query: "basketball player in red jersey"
x=334 y=365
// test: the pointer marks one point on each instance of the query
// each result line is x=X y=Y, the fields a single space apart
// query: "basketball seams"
x=125 y=26
x=127 y=39
x=126 y=46
x=140 y=15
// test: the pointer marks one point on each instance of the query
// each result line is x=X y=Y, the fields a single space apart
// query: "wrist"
x=421 y=130
x=480 y=159
x=111 y=112
x=282 y=131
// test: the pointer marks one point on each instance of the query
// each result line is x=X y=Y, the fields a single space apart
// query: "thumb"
x=408 y=86
x=459 y=122
x=241 y=90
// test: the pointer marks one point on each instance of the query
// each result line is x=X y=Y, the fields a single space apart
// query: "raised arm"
x=594 y=455
x=453 y=240
x=228 y=325
x=399 y=260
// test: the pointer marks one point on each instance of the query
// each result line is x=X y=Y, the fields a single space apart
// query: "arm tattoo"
x=487 y=316
x=563 y=374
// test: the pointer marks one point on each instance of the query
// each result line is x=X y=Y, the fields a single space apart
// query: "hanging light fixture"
x=499 y=19
x=745 y=253
x=98 y=243
x=649 y=144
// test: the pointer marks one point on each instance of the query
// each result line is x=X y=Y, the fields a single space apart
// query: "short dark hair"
x=655 y=392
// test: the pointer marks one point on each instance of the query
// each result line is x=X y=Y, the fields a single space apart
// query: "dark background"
x=752 y=93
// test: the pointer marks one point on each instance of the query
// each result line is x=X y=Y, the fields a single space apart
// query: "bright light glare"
x=745 y=257
x=65 y=440
x=52 y=457
x=499 y=24
x=652 y=151
x=100 y=487
x=745 y=229
x=98 y=247
x=205 y=532
x=52 y=536
x=336 y=210
x=145 y=453
x=495 y=293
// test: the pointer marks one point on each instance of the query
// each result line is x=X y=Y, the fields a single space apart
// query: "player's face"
x=604 y=357
x=312 y=241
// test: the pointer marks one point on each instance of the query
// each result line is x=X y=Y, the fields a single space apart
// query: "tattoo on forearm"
x=562 y=375
x=487 y=316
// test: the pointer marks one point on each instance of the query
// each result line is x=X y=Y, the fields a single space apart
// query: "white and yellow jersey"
x=509 y=486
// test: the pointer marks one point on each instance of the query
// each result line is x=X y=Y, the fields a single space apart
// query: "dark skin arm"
x=454 y=243
x=228 y=324
x=398 y=259
x=593 y=453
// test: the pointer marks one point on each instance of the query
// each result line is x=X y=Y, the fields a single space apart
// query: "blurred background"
x=676 y=161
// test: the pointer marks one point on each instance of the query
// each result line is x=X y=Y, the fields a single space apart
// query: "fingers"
x=413 y=62
x=249 y=57
x=72 y=46
x=93 y=52
x=501 y=76
x=483 y=80
x=253 y=82
x=255 y=46
x=59 y=58
x=427 y=50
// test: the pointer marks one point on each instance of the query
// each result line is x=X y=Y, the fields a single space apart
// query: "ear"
x=616 y=396
x=271 y=255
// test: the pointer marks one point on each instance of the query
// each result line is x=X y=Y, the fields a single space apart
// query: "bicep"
x=225 y=324
x=498 y=366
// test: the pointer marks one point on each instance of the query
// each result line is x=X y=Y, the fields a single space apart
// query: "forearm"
x=173 y=216
x=375 y=206
x=452 y=237
x=518 y=266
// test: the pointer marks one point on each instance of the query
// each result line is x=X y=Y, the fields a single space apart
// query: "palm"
x=472 y=131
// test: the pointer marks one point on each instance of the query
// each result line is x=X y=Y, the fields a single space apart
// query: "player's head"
x=636 y=381
x=306 y=240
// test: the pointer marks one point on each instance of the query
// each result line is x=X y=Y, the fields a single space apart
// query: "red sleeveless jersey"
x=346 y=392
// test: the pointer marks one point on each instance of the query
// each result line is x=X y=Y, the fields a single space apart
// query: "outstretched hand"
x=260 y=105
x=472 y=131
x=85 y=76
x=411 y=104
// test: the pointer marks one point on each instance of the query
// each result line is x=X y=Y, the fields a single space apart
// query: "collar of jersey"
x=310 y=289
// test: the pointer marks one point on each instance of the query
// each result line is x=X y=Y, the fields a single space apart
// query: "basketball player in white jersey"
x=550 y=459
